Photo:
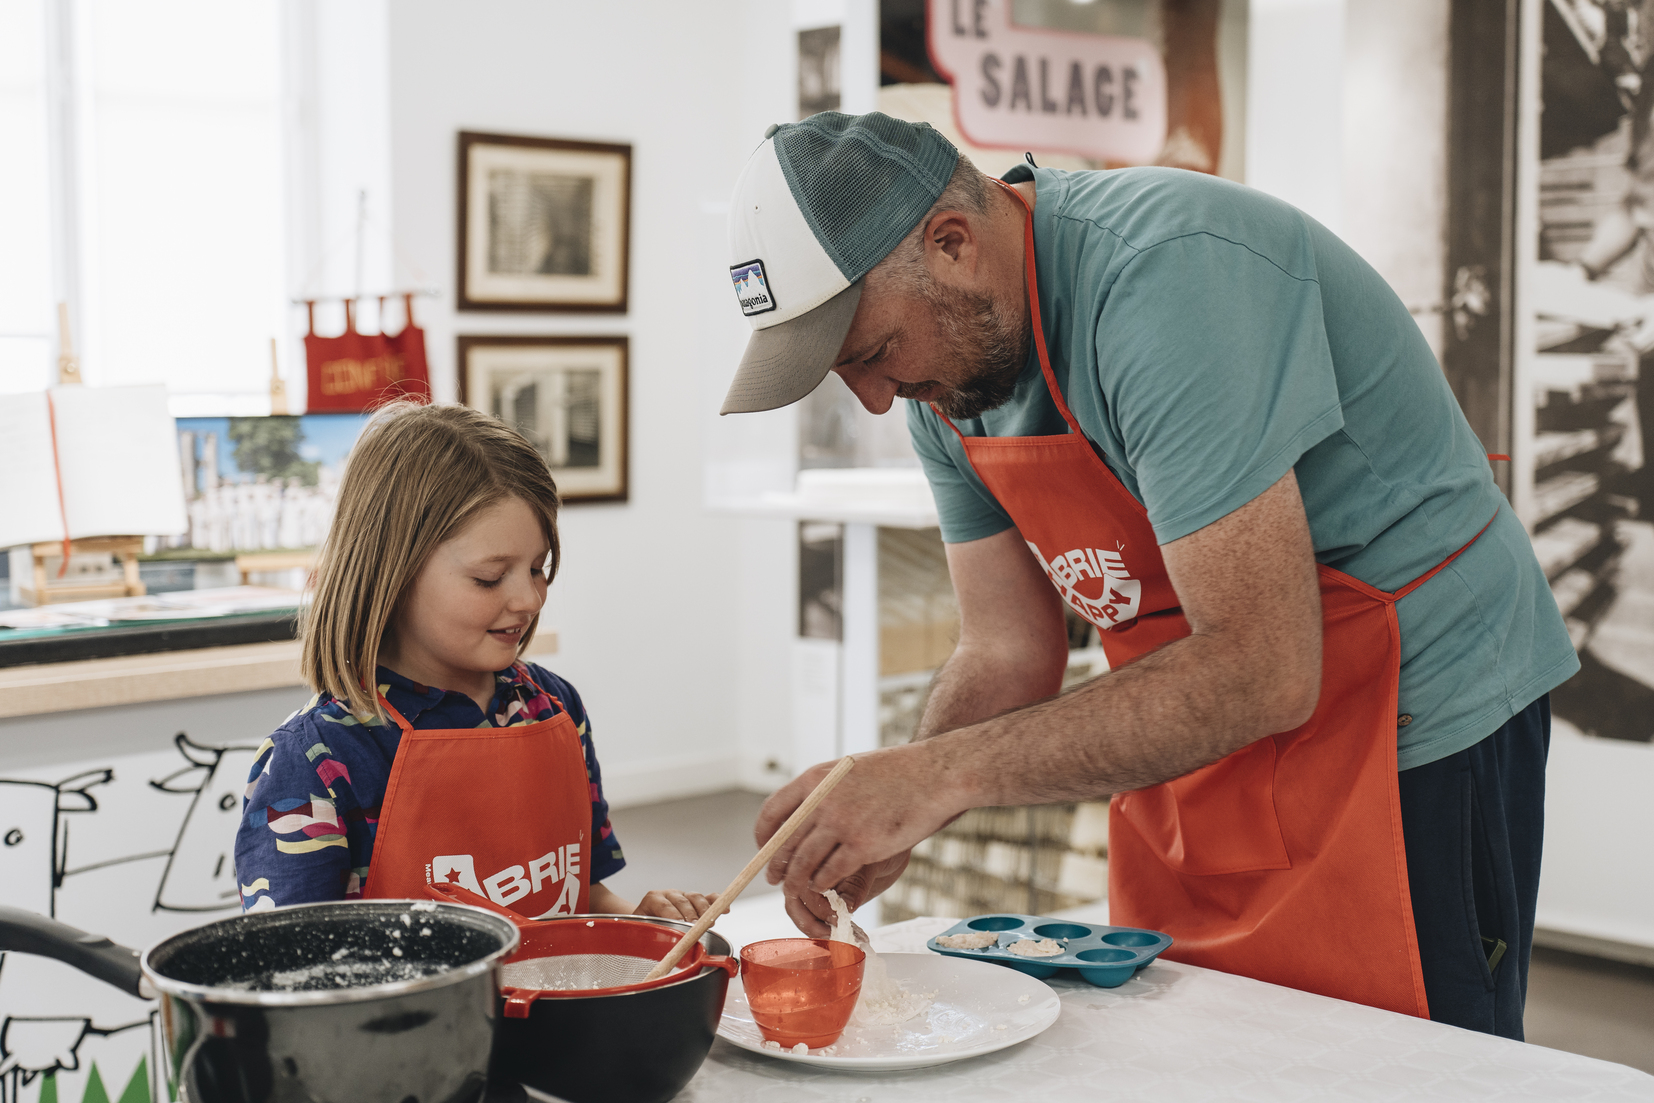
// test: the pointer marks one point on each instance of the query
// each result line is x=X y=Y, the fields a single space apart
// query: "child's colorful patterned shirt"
x=314 y=793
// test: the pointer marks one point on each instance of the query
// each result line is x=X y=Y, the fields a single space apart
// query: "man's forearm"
x=974 y=685
x=1175 y=710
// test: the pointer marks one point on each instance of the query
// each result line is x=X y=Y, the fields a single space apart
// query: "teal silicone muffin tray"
x=1105 y=956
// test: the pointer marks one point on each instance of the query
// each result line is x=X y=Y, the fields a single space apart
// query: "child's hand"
x=672 y=904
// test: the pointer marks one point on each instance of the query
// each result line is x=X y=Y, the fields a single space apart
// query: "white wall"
x=1394 y=146
x=1347 y=120
x=651 y=599
x=1294 y=105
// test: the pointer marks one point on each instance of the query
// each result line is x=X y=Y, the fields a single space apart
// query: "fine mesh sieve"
x=569 y=972
x=589 y=956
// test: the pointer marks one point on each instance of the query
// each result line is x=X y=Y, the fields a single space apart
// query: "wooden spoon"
x=759 y=861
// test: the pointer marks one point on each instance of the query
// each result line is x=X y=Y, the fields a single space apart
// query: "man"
x=1226 y=444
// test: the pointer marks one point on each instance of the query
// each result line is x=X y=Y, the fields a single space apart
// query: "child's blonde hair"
x=417 y=475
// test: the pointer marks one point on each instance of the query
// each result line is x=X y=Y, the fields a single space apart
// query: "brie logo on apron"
x=515 y=882
x=1095 y=583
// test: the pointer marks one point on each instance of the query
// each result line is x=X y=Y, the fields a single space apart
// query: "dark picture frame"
x=568 y=395
x=542 y=224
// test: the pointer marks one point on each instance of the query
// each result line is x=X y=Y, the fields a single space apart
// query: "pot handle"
x=449 y=892
x=27 y=932
x=728 y=964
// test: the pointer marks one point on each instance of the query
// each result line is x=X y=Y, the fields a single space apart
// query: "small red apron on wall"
x=359 y=371
x=504 y=812
x=1283 y=861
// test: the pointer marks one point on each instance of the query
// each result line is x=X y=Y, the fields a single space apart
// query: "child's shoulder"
x=559 y=688
x=311 y=727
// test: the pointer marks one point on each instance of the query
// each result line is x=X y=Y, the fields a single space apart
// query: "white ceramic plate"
x=978 y=1008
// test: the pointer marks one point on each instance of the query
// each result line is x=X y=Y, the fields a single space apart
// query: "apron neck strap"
x=397 y=718
x=1034 y=320
x=522 y=668
x=390 y=710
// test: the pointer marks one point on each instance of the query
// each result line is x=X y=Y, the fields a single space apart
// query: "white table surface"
x=1176 y=1033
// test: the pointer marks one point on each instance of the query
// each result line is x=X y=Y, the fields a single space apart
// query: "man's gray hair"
x=903 y=270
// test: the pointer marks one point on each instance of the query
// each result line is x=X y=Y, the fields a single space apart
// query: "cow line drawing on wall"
x=164 y=863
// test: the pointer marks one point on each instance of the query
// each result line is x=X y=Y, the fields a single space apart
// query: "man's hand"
x=859 y=838
x=810 y=911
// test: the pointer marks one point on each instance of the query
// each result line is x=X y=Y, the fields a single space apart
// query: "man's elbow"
x=1292 y=699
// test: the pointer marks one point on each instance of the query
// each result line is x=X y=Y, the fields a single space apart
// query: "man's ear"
x=951 y=245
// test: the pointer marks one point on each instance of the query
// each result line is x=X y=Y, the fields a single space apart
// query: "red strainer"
x=584 y=956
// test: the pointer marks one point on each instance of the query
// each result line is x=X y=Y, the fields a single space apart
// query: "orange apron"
x=505 y=812
x=1283 y=861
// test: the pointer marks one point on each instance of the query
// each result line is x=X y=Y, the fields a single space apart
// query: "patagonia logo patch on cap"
x=751 y=288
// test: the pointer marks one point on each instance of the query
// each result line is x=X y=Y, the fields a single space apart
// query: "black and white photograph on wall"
x=567 y=395
x=1583 y=420
x=542 y=223
x=818 y=73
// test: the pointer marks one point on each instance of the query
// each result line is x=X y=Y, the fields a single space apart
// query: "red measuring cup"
x=802 y=989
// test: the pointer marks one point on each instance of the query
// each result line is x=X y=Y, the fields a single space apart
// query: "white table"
x=1177 y=1033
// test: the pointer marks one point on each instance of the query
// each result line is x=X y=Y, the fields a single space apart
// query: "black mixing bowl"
x=629 y=1047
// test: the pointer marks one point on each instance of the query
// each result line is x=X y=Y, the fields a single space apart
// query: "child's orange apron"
x=505 y=812
x=1285 y=860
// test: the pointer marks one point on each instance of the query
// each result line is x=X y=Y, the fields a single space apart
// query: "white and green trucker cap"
x=818 y=205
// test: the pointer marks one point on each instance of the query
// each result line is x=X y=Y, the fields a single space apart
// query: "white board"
x=117 y=454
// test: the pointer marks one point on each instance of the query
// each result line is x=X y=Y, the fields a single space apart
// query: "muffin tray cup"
x=1105 y=956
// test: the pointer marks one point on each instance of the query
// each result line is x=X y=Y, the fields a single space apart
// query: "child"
x=458 y=762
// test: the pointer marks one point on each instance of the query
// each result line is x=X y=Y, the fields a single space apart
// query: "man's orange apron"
x=1283 y=861
x=505 y=812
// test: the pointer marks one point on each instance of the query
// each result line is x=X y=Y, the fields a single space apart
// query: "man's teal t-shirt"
x=1209 y=339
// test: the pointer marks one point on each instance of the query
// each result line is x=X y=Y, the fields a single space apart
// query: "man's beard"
x=987 y=349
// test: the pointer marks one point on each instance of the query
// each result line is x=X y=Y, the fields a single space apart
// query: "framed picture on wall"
x=544 y=224
x=565 y=394
x=1578 y=385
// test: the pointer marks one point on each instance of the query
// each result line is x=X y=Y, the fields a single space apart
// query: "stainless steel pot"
x=346 y=1002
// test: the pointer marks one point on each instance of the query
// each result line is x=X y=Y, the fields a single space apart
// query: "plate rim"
x=897 y=1063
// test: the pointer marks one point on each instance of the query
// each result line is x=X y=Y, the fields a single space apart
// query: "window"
x=26 y=313
x=150 y=196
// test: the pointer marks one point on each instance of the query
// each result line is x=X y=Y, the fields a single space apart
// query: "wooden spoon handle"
x=759 y=861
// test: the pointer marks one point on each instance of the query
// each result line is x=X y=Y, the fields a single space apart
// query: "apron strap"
x=529 y=678
x=390 y=710
x=1036 y=324
x=1432 y=572
x=948 y=422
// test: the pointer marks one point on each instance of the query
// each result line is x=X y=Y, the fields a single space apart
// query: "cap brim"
x=785 y=362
